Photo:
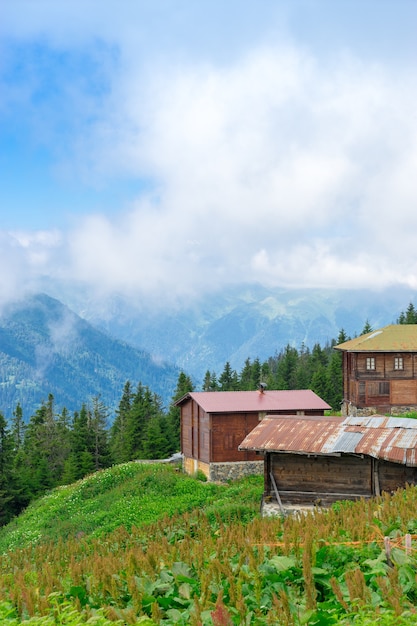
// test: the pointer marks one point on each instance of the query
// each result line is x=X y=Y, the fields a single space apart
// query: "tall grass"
x=207 y=558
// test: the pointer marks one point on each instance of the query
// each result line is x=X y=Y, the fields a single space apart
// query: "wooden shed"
x=380 y=371
x=214 y=423
x=318 y=461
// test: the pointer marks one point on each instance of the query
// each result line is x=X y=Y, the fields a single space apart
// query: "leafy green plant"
x=200 y=475
x=168 y=549
x=131 y=494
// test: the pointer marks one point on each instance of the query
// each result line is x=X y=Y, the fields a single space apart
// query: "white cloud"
x=23 y=259
x=277 y=166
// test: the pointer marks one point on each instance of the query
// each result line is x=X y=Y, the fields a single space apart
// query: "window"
x=398 y=363
x=384 y=389
x=375 y=389
x=370 y=363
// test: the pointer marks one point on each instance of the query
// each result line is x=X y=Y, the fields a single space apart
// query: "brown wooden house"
x=317 y=461
x=214 y=423
x=380 y=371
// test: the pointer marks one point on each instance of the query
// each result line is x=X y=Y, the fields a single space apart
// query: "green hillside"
x=145 y=544
x=131 y=494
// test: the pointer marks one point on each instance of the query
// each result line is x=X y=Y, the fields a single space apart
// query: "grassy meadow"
x=145 y=544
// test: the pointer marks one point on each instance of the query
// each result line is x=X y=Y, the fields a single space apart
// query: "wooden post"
x=377 y=489
x=387 y=544
x=274 y=484
x=408 y=544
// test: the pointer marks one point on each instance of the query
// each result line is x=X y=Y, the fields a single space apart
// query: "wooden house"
x=214 y=423
x=380 y=371
x=317 y=461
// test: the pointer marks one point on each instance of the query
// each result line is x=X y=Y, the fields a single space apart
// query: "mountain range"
x=90 y=347
x=241 y=322
x=47 y=348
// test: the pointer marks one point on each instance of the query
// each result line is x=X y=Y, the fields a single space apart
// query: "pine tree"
x=71 y=472
x=264 y=373
x=156 y=443
x=36 y=472
x=18 y=427
x=303 y=369
x=8 y=491
x=409 y=317
x=136 y=422
x=367 y=328
x=210 y=382
x=286 y=370
x=19 y=465
x=245 y=377
x=97 y=423
x=80 y=461
x=334 y=391
x=342 y=337
x=119 y=433
x=255 y=374
x=228 y=379
x=55 y=439
x=318 y=356
x=319 y=381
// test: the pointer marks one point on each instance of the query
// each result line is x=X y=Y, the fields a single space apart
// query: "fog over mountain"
x=45 y=348
x=77 y=346
x=240 y=322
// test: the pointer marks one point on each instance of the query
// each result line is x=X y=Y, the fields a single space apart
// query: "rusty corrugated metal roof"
x=392 y=338
x=291 y=434
x=386 y=438
x=255 y=401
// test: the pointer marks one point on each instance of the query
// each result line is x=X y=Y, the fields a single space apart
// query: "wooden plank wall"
x=403 y=392
x=393 y=476
x=228 y=432
x=320 y=479
x=325 y=479
x=195 y=431
x=186 y=429
x=365 y=387
x=203 y=436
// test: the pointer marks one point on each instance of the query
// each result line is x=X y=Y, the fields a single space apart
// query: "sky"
x=163 y=149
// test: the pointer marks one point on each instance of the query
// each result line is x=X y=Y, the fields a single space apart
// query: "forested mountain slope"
x=45 y=348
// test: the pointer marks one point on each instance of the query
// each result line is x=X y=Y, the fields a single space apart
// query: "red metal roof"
x=388 y=438
x=255 y=401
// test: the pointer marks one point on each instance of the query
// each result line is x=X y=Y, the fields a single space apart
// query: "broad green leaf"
x=185 y=590
x=282 y=563
x=182 y=569
x=399 y=557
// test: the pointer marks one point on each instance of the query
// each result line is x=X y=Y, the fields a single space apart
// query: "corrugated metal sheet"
x=379 y=421
x=392 y=338
x=386 y=438
x=346 y=442
x=292 y=434
x=401 y=422
x=255 y=401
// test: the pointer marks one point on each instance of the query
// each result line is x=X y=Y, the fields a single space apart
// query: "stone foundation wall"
x=401 y=410
x=368 y=411
x=222 y=472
